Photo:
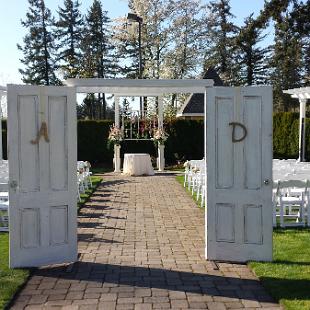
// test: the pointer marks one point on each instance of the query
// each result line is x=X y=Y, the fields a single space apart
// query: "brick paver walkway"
x=141 y=244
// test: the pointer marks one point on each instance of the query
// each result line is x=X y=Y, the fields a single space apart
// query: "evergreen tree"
x=97 y=51
x=300 y=17
x=286 y=62
x=252 y=57
x=38 y=48
x=69 y=34
x=221 y=43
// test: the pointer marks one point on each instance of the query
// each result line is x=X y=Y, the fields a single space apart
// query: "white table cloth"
x=137 y=164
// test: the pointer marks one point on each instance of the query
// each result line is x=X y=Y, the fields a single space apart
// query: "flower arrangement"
x=160 y=136
x=115 y=135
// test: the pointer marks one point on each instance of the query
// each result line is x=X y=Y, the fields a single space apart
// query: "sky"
x=13 y=11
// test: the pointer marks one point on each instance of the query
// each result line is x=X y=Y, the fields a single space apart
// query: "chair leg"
x=274 y=214
x=282 y=214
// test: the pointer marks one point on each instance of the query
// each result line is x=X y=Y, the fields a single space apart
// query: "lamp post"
x=136 y=18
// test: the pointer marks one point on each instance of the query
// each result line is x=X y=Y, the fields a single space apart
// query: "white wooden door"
x=43 y=211
x=239 y=174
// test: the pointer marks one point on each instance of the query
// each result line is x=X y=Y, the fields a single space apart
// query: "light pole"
x=136 y=18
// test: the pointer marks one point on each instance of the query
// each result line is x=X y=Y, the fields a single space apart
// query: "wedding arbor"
x=139 y=88
x=302 y=94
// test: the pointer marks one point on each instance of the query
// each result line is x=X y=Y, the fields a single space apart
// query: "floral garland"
x=160 y=136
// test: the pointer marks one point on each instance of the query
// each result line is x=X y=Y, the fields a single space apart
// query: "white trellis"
x=302 y=94
x=139 y=88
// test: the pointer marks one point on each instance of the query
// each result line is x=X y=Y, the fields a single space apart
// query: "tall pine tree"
x=98 y=51
x=286 y=62
x=301 y=24
x=38 y=47
x=221 y=40
x=252 y=56
x=69 y=34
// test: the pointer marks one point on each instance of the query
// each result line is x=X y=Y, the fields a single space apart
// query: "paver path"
x=141 y=241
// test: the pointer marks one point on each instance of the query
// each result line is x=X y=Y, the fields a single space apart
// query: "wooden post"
x=117 y=147
x=160 y=112
x=302 y=129
x=116 y=117
x=1 y=146
x=117 y=158
x=161 y=147
x=161 y=157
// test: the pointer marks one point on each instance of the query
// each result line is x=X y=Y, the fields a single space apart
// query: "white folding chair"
x=291 y=204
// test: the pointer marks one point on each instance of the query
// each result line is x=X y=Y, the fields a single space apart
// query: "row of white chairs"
x=195 y=179
x=291 y=203
x=83 y=178
x=4 y=207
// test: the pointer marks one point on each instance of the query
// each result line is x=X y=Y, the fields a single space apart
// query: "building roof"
x=194 y=104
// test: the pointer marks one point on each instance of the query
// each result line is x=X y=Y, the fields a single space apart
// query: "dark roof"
x=195 y=101
x=212 y=75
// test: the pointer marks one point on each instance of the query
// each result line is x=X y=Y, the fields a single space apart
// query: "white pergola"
x=302 y=94
x=2 y=94
x=139 y=88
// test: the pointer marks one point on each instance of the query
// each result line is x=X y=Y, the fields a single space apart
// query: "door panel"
x=224 y=146
x=42 y=213
x=29 y=171
x=239 y=203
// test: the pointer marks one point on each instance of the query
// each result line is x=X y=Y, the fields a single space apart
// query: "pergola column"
x=117 y=147
x=302 y=129
x=161 y=147
x=2 y=95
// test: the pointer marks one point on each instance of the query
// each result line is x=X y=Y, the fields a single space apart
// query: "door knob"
x=13 y=185
x=266 y=182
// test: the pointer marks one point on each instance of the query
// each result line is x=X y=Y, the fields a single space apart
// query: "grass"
x=180 y=179
x=287 y=278
x=12 y=279
x=99 y=169
x=96 y=180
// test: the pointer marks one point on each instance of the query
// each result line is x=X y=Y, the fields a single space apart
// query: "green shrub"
x=185 y=140
x=93 y=140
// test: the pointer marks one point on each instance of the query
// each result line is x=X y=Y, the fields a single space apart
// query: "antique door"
x=42 y=170
x=239 y=174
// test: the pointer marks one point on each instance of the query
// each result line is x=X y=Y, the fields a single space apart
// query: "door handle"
x=245 y=131
x=266 y=182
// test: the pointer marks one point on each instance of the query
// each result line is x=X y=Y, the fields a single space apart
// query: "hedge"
x=185 y=140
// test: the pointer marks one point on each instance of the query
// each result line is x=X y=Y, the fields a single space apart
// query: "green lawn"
x=12 y=279
x=85 y=197
x=287 y=278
